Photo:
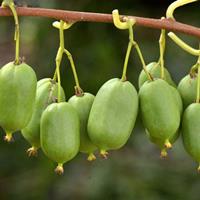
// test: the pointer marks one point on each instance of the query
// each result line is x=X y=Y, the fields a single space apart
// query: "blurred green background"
x=134 y=172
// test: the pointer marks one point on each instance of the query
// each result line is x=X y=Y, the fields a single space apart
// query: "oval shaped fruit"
x=17 y=97
x=83 y=106
x=191 y=131
x=160 y=111
x=155 y=70
x=187 y=88
x=113 y=114
x=177 y=98
x=47 y=93
x=60 y=133
x=160 y=143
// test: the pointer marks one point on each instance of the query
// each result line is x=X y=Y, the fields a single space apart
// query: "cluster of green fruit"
x=84 y=123
x=168 y=111
x=87 y=123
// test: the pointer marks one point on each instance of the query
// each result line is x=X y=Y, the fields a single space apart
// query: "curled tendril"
x=175 y=5
x=183 y=45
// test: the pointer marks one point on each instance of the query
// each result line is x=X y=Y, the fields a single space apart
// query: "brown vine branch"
x=105 y=18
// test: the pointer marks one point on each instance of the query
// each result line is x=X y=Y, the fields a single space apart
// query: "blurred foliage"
x=135 y=171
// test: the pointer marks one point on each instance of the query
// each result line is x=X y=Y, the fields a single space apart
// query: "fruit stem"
x=8 y=137
x=162 y=42
x=198 y=82
x=11 y=5
x=59 y=58
x=61 y=51
x=58 y=61
x=91 y=157
x=132 y=44
x=129 y=48
x=142 y=61
x=59 y=169
x=78 y=89
x=54 y=76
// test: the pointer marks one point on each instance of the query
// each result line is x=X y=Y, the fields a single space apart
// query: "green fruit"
x=113 y=114
x=60 y=133
x=161 y=143
x=83 y=106
x=177 y=98
x=191 y=131
x=47 y=93
x=188 y=89
x=155 y=70
x=17 y=97
x=42 y=81
x=160 y=111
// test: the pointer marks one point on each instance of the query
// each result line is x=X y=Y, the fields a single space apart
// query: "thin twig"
x=73 y=16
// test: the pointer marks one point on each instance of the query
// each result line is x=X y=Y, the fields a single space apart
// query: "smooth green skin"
x=47 y=92
x=83 y=106
x=113 y=114
x=191 y=130
x=160 y=112
x=177 y=98
x=17 y=96
x=43 y=81
x=161 y=143
x=155 y=70
x=188 y=89
x=60 y=132
x=174 y=137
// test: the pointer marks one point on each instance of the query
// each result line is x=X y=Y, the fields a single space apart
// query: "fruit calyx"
x=8 y=137
x=167 y=144
x=163 y=153
x=104 y=154
x=32 y=151
x=91 y=157
x=59 y=169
